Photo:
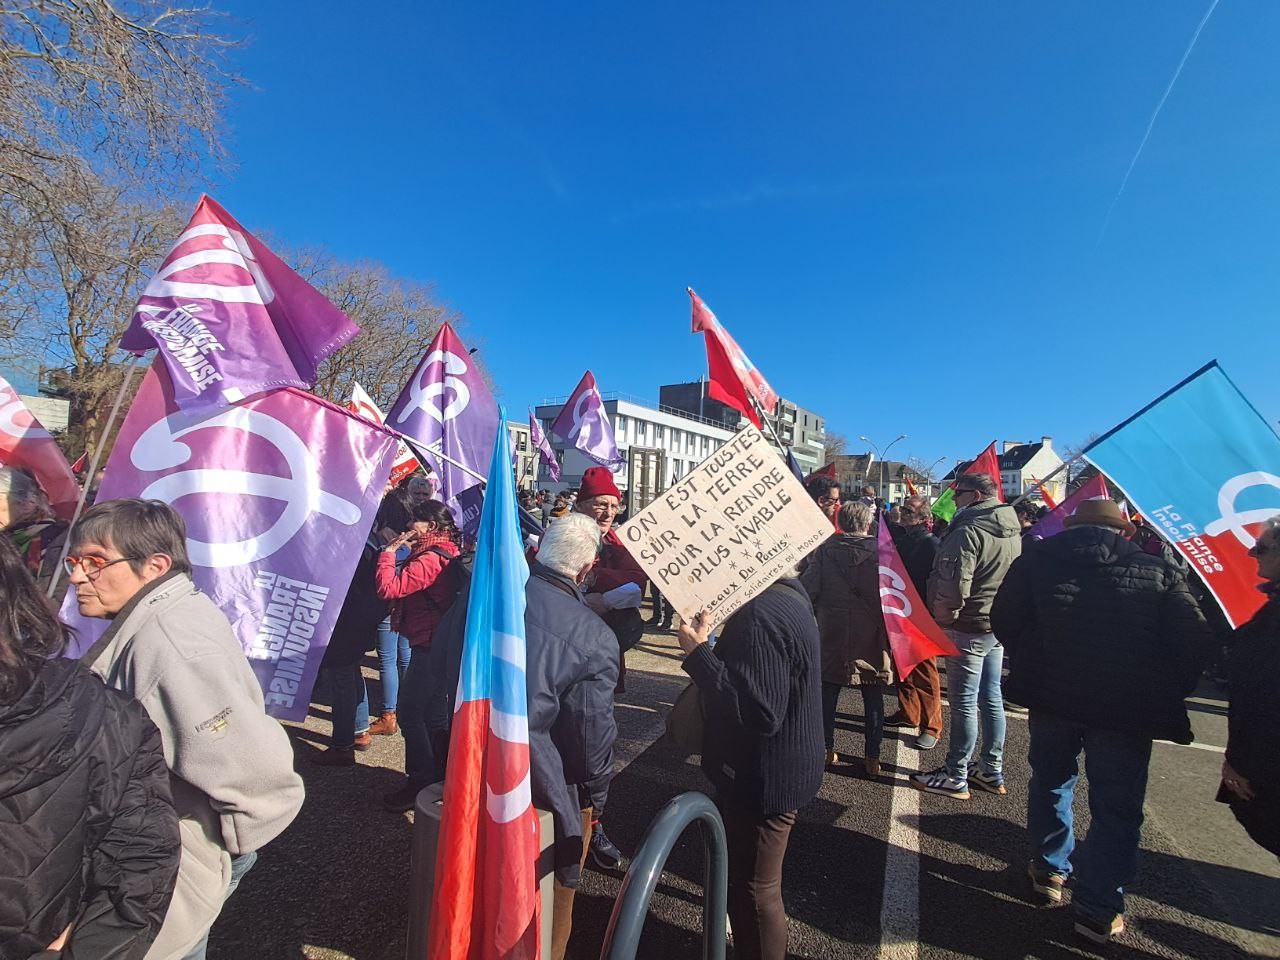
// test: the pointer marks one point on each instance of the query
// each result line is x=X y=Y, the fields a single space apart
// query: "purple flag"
x=543 y=445
x=584 y=423
x=446 y=409
x=230 y=318
x=1050 y=525
x=279 y=494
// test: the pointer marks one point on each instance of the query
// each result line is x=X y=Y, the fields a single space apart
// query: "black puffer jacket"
x=1101 y=633
x=88 y=834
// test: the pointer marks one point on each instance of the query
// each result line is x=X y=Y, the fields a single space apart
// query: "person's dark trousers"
x=419 y=752
x=872 y=718
x=920 y=698
x=349 y=703
x=830 y=700
x=1116 y=765
x=757 y=846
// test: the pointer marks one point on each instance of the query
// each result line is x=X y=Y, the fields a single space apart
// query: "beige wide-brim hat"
x=1100 y=513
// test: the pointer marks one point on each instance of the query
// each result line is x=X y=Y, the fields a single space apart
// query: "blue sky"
x=897 y=209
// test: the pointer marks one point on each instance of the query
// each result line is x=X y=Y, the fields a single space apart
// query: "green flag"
x=944 y=508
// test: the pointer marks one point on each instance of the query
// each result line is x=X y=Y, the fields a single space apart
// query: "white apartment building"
x=1024 y=465
x=526 y=458
x=660 y=445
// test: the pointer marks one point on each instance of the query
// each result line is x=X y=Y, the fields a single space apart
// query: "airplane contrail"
x=1154 y=114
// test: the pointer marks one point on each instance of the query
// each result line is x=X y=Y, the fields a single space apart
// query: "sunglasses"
x=90 y=566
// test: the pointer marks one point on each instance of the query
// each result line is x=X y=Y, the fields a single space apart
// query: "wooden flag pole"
x=93 y=470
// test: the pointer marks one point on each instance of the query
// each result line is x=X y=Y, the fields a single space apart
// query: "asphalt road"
x=874 y=868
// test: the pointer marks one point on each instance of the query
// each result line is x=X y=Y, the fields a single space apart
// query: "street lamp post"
x=901 y=436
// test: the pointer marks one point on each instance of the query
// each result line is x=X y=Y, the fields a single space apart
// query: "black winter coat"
x=356 y=631
x=1101 y=633
x=761 y=693
x=1253 y=724
x=88 y=833
x=917 y=547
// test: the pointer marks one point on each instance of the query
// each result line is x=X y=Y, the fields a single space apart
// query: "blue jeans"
x=240 y=865
x=393 y=660
x=973 y=687
x=349 y=702
x=419 y=754
x=1116 y=765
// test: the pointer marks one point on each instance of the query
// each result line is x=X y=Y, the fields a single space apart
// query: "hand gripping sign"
x=279 y=495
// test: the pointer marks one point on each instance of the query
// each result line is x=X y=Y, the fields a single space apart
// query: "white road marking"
x=900 y=907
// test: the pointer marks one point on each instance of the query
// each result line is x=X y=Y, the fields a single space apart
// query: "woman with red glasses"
x=1251 y=771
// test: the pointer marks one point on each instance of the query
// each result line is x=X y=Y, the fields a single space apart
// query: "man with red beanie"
x=614 y=591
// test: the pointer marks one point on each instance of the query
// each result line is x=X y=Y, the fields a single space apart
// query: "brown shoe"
x=335 y=757
x=385 y=725
x=362 y=742
x=872 y=766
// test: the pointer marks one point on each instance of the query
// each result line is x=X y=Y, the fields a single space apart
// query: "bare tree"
x=397 y=318
x=834 y=445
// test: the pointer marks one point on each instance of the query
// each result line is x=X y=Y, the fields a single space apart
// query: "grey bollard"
x=422 y=872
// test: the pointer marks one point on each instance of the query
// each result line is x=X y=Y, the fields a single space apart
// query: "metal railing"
x=622 y=938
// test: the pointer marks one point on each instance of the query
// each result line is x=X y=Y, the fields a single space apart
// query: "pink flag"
x=279 y=494
x=25 y=443
x=584 y=423
x=230 y=318
x=362 y=404
x=1051 y=523
x=543 y=445
x=913 y=635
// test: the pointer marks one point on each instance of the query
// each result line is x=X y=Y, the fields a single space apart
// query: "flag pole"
x=420 y=449
x=93 y=469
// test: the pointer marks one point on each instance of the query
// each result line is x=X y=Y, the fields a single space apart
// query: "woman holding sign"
x=843 y=581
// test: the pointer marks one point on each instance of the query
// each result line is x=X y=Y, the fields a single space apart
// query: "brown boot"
x=362 y=742
x=385 y=724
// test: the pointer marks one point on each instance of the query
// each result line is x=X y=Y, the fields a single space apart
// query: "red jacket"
x=419 y=595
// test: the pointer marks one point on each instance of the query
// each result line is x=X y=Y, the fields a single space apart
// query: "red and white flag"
x=25 y=443
x=913 y=634
x=734 y=378
x=362 y=405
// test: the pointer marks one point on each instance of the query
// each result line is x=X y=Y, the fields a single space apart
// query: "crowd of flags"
x=279 y=489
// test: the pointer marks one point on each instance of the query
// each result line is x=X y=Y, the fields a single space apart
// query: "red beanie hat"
x=596 y=482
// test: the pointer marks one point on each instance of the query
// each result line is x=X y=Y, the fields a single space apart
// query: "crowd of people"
x=139 y=781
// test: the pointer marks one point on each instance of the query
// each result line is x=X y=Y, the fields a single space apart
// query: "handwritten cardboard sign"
x=727 y=530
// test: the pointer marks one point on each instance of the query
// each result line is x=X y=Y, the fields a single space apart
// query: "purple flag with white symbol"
x=584 y=423
x=543 y=445
x=446 y=409
x=230 y=318
x=279 y=494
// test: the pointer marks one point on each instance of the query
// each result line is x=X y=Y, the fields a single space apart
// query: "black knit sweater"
x=761 y=690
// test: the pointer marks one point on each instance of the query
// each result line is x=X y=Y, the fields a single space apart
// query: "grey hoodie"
x=982 y=542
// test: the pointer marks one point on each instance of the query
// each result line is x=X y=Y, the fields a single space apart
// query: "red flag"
x=734 y=378
x=911 y=487
x=25 y=443
x=1045 y=495
x=913 y=635
x=81 y=462
x=988 y=462
x=829 y=470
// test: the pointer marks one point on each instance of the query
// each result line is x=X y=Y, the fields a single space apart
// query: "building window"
x=622 y=425
x=660 y=434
